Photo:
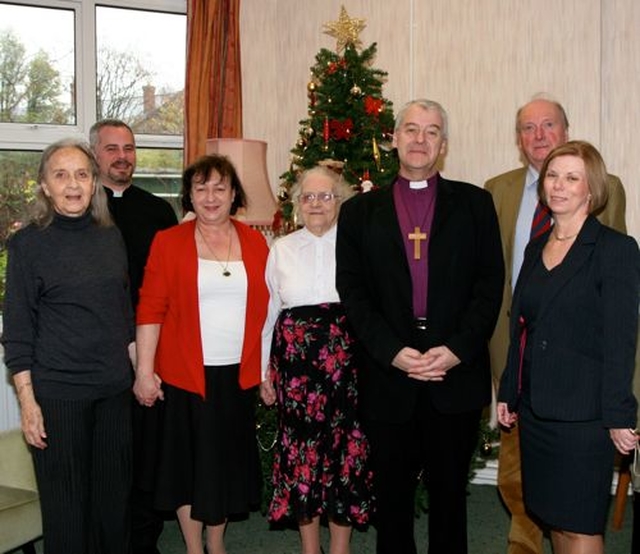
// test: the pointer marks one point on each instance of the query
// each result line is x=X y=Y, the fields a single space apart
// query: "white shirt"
x=523 y=224
x=301 y=271
x=222 y=302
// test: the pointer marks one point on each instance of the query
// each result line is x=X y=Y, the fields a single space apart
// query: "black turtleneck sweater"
x=67 y=309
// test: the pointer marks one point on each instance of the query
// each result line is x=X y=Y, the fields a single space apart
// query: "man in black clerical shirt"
x=139 y=215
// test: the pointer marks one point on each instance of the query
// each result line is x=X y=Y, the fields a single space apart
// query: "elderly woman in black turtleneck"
x=68 y=331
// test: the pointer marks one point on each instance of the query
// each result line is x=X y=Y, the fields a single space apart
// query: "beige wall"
x=481 y=59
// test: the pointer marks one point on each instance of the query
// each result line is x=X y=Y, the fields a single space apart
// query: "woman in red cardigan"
x=202 y=307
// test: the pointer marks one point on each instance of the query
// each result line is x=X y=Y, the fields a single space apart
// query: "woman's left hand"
x=623 y=439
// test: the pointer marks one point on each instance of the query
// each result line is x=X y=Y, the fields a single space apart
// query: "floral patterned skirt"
x=320 y=463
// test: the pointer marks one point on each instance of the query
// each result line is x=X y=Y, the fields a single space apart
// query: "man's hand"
x=434 y=364
x=416 y=365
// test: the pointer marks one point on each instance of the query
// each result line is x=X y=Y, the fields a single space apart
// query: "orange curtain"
x=213 y=89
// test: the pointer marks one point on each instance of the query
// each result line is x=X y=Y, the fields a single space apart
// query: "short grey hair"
x=339 y=186
x=426 y=105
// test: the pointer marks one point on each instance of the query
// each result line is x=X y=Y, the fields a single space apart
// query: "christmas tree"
x=349 y=124
x=349 y=127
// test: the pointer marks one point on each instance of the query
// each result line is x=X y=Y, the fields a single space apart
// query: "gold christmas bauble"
x=486 y=449
x=283 y=194
x=311 y=86
x=355 y=91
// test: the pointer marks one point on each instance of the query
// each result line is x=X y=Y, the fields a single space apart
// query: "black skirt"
x=567 y=469
x=208 y=453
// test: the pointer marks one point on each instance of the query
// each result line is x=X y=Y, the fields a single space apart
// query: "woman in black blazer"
x=573 y=337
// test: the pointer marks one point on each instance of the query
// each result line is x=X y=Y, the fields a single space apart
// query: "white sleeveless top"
x=222 y=303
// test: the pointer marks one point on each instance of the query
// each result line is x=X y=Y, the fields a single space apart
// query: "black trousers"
x=84 y=475
x=439 y=445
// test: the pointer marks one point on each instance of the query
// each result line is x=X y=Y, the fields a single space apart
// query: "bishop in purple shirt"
x=420 y=274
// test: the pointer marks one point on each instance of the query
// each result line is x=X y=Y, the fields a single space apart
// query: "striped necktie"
x=541 y=220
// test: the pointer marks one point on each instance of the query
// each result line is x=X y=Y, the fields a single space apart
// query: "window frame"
x=30 y=136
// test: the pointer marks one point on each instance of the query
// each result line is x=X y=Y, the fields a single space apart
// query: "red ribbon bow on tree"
x=341 y=130
x=373 y=106
x=334 y=66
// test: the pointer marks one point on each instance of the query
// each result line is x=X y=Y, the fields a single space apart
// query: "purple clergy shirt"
x=415 y=208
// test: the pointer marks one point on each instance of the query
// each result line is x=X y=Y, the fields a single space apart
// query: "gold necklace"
x=568 y=237
x=225 y=266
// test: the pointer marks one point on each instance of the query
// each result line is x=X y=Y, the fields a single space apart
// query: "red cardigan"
x=169 y=296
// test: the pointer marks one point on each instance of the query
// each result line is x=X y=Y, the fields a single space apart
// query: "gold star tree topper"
x=346 y=30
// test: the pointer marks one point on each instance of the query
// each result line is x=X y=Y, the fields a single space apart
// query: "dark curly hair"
x=200 y=170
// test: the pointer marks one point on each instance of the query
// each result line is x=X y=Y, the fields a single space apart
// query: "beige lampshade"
x=249 y=157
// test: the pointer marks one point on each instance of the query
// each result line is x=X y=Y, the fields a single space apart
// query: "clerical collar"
x=116 y=193
x=418 y=185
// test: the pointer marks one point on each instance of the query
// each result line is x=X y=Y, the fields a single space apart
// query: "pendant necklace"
x=225 y=266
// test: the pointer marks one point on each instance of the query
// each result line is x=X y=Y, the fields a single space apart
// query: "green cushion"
x=20 y=519
x=11 y=497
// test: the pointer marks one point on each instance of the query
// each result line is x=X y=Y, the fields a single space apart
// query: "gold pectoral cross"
x=417 y=237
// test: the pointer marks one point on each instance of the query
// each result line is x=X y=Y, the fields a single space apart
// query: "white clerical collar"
x=417 y=185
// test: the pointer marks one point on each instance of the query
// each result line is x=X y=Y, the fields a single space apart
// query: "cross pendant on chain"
x=417 y=237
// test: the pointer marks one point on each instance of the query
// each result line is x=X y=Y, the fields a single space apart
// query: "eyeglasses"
x=309 y=197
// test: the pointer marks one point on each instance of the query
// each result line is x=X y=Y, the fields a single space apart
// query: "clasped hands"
x=431 y=365
x=148 y=388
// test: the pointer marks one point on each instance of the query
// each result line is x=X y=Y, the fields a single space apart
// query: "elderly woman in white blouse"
x=320 y=465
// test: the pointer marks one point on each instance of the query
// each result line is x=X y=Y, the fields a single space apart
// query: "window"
x=66 y=63
x=18 y=173
x=141 y=81
x=37 y=65
x=160 y=172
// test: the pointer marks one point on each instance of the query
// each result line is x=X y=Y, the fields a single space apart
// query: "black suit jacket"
x=584 y=337
x=466 y=274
